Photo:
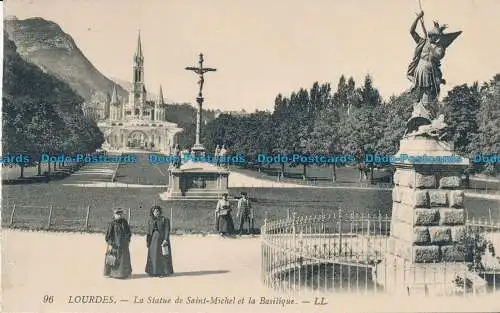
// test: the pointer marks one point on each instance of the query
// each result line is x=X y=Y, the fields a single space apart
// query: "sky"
x=264 y=47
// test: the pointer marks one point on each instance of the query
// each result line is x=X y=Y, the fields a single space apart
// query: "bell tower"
x=138 y=88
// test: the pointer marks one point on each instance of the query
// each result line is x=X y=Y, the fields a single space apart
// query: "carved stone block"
x=457 y=198
x=450 y=182
x=438 y=198
x=426 y=217
x=426 y=254
x=440 y=235
x=451 y=216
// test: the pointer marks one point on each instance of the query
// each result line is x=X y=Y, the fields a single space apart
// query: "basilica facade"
x=137 y=122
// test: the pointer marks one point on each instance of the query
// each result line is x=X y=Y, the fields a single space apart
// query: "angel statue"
x=424 y=70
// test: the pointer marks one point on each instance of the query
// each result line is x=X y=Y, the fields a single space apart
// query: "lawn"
x=70 y=205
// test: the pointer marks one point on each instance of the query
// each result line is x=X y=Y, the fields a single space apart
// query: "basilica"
x=136 y=122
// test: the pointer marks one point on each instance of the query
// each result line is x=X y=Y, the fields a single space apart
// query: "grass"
x=69 y=206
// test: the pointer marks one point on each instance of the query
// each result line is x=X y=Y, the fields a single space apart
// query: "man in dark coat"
x=245 y=213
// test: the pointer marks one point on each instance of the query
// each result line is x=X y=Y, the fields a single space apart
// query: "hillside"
x=41 y=113
x=46 y=45
x=184 y=115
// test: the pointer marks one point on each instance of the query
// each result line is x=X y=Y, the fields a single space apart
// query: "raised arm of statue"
x=413 y=28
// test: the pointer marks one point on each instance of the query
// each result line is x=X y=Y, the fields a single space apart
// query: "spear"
x=425 y=33
x=422 y=18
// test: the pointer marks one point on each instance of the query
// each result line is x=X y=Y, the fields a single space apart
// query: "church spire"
x=138 y=53
x=114 y=95
x=160 y=97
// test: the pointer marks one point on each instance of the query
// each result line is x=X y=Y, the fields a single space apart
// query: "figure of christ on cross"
x=200 y=71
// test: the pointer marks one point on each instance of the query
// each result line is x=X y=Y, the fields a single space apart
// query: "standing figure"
x=245 y=213
x=159 y=259
x=177 y=156
x=216 y=154
x=118 y=239
x=222 y=156
x=223 y=219
x=425 y=69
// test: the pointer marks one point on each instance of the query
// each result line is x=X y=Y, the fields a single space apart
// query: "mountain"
x=122 y=82
x=46 y=45
x=41 y=113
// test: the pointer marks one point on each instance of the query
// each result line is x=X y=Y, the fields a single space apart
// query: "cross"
x=200 y=71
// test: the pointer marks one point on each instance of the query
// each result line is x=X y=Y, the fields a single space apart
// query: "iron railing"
x=338 y=252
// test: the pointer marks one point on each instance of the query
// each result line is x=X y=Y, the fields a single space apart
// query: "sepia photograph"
x=250 y=156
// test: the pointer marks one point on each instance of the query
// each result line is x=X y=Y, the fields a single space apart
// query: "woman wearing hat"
x=159 y=259
x=118 y=240
x=223 y=218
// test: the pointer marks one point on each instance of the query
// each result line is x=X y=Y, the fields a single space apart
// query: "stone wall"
x=428 y=214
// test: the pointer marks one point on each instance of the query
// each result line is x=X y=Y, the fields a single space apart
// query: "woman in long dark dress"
x=224 y=220
x=158 y=239
x=118 y=239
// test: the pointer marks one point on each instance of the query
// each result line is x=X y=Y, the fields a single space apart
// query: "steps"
x=200 y=194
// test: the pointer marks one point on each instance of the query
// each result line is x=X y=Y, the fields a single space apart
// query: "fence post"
x=171 y=217
x=87 y=217
x=340 y=232
x=12 y=215
x=50 y=217
x=129 y=215
x=288 y=214
x=489 y=214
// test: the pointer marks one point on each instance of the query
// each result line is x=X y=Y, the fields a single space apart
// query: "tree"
x=460 y=108
x=370 y=95
x=488 y=121
x=41 y=112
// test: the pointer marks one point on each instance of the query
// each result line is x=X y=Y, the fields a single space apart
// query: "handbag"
x=164 y=249
x=111 y=258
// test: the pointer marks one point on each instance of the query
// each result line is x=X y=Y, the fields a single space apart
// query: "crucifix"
x=200 y=70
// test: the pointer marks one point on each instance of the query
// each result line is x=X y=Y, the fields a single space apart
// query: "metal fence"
x=339 y=252
x=82 y=219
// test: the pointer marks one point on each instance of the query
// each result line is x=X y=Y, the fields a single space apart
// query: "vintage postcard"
x=250 y=156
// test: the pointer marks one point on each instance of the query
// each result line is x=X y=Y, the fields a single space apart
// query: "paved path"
x=35 y=264
x=101 y=172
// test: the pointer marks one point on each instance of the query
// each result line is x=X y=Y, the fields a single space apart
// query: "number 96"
x=48 y=299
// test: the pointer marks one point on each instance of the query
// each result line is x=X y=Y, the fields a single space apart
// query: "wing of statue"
x=447 y=39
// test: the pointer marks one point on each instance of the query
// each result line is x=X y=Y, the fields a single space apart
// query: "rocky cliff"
x=41 y=113
x=46 y=45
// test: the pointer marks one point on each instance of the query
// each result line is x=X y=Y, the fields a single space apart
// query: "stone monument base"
x=196 y=181
x=427 y=252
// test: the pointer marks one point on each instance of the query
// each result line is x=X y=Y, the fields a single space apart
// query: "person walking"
x=117 y=238
x=159 y=258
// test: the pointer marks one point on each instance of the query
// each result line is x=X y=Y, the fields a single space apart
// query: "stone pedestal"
x=196 y=181
x=198 y=150
x=426 y=246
